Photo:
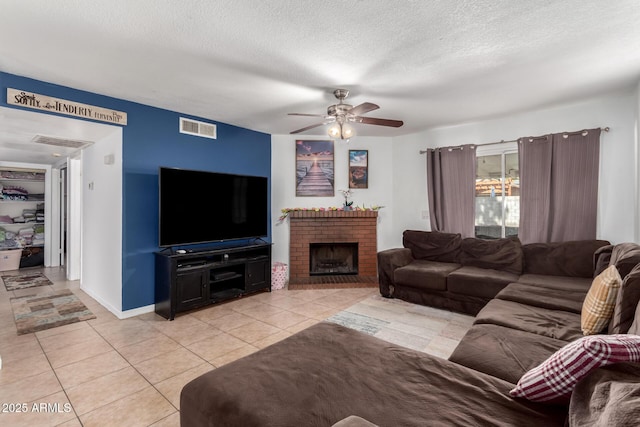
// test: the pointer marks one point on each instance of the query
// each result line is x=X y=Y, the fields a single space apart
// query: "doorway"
x=63 y=200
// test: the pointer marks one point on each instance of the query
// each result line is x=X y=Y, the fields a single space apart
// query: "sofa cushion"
x=626 y=303
x=560 y=325
x=424 y=274
x=625 y=256
x=479 y=282
x=599 y=303
x=432 y=245
x=500 y=254
x=573 y=259
x=555 y=378
x=601 y=259
x=563 y=283
x=503 y=352
x=538 y=296
x=607 y=397
x=635 y=325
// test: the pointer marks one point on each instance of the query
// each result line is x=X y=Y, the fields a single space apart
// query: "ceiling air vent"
x=61 y=142
x=193 y=127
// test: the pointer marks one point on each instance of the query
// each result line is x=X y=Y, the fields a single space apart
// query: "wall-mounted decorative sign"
x=358 y=168
x=62 y=106
x=314 y=168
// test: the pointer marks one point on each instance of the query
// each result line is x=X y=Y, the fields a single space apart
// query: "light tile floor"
x=112 y=372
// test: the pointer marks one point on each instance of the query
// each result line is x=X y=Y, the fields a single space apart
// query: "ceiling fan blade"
x=306 y=115
x=363 y=108
x=311 y=126
x=379 y=122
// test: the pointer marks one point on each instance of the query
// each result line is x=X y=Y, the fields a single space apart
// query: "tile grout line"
x=57 y=378
x=138 y=372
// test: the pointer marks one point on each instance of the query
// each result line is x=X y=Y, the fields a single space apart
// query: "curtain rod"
x=606 y=129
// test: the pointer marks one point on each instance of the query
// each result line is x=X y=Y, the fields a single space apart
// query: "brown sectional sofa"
x=527 y=323
x=445 y=271
x=328 y=374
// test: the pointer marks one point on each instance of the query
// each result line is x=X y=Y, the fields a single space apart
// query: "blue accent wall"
x=150 y=140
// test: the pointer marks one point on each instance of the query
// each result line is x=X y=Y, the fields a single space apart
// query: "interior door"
x=63 y=216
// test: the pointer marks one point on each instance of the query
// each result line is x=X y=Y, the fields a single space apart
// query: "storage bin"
x=279 y=273
x=10 y=259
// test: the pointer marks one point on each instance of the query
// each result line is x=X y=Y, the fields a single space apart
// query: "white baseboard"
x=116 y=311
x=136 y=311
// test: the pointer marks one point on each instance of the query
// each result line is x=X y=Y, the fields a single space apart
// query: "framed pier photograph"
x=314 y=169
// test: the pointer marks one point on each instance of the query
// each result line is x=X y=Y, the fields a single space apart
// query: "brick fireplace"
x=332 y=229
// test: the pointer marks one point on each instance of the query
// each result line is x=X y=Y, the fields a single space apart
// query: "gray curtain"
x=559 y=186
x=451 y=177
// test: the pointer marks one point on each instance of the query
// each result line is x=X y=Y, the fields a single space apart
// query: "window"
x=497 y=193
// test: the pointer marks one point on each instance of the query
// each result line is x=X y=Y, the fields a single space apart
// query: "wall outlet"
x=425 y=215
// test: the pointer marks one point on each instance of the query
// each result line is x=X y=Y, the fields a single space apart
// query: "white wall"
x=636 y=178
x=380 y=191
x=618 y=192
x=102 y=222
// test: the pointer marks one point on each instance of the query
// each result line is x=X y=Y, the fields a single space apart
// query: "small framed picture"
x=314 y=169
x=358 y=168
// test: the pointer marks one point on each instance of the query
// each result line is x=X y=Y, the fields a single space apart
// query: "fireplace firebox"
x=333 y=258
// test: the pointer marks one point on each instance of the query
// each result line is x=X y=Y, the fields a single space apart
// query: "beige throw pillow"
x=600 y=301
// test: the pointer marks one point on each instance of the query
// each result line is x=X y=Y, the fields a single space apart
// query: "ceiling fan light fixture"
x=342 y=114
x=335 y=131
x=341 y=131
x=347 y=131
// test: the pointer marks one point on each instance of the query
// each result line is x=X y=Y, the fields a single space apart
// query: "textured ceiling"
x=249 y=63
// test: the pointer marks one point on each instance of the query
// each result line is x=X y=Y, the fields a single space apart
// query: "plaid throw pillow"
x=600 y=301
x=554 y=379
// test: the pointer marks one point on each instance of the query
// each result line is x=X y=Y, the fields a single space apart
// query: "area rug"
x=22 y=281
x=35 y=313
x=421 y=328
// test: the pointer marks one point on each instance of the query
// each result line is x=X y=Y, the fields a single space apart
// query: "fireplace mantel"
x=333 y=214
x=316 y=226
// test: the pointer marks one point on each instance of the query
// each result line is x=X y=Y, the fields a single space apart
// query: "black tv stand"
x=194 y=279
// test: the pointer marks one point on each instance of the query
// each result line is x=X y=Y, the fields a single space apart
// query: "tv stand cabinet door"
x=258 y=276
x=192 y=289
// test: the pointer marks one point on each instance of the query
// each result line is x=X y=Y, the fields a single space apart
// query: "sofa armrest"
x=388 y=261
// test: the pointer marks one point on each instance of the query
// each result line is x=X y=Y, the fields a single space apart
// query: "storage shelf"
x=33 y=182
x=21 y=201
x=226 y=294
x=226 y=278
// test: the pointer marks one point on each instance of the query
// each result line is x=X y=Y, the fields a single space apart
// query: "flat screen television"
x=203 y=207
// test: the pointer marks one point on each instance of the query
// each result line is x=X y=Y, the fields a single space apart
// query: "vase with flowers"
x=347 y=203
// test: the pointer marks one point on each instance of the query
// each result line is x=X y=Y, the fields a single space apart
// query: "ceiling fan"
x=343 y=114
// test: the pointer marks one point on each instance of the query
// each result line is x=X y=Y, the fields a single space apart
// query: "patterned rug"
x=35 y=313
x=421 y=328
x=23 y=281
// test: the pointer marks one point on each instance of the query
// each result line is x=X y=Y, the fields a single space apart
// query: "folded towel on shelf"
x=14 y=193
x=26 y=231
